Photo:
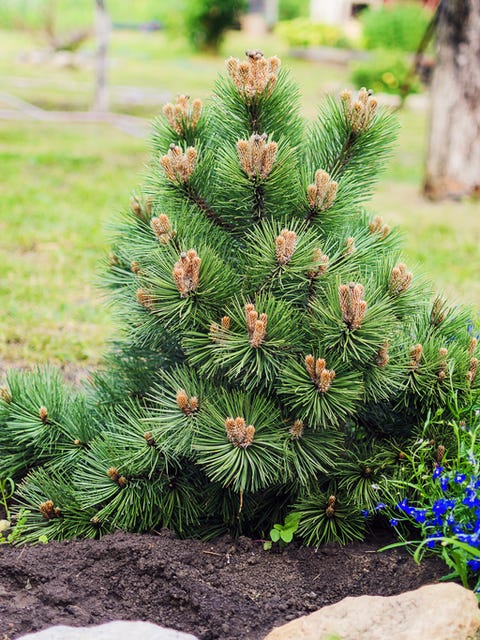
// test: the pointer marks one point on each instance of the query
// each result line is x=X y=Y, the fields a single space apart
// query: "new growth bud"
x=218 y=332
x=321 y=377
x=296 y=430
x=285 y=246
x=382 y=358
x=179 y=166
x=321 y=194
x=136 y=206
x=359 y=113
x=472 y=345
x=238 y=433
x=43 y=414
x=352 y=304
x=256 y=325
x=49 y=511
x=144 y=298
x=255 y=75
x=400 y=279
x=186 y=404
x=115 y=476
x=162 y=228
x=186 y=272
x=256 y=155
x=377 y=226
x=149 y=439
x=330 y=510
x=320 y=260
x=141 y=208
x=438 y=312
x=182 y=117
x=349 y=246
x=472 y=371
x=415 y=356
x=442 y=373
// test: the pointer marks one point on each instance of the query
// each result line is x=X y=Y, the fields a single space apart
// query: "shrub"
x=301 y=32
x=290 y=9
x=400 y=26
x=206 y=21
x=275 y=350
x=384 y=72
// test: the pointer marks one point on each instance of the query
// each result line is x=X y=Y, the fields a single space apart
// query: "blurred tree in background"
x=206 y=21
x=453 y=160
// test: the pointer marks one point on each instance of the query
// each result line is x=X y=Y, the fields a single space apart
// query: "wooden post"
x=102 y=30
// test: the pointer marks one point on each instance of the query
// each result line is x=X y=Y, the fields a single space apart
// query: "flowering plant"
x=440 y=497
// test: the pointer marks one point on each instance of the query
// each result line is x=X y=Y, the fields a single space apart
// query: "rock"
x=4 y=525
x=442 y=611
x=118 y=630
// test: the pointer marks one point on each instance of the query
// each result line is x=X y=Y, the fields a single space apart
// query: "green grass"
x=62 y=182
x=70 y=14
x=59 y=188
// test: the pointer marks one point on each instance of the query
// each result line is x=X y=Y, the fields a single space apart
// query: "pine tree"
x=275 y=353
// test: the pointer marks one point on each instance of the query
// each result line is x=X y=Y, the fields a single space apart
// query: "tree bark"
x=102 y=28
x=453 y=160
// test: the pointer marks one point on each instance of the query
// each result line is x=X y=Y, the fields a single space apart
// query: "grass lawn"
x=62 y=182
x=60 y=185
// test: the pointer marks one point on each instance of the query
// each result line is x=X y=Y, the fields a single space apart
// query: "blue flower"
x=474 y=564
x=380 y=506
x=393 y=522
x=365 y=513
x=450 y=520
x=437 y=472
x=420 y=515
x=459 y=477
x=403 y=505
x=432 y=539
x=444 y=483
x=471 y=539
x=441 y=506
x=471 y=499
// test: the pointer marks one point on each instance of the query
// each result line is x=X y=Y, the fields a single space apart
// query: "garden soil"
x=223 y=590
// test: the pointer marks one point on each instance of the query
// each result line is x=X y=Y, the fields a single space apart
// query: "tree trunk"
x=102 y=28
x=453 y=161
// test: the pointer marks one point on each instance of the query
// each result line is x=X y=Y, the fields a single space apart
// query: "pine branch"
x=195 y=198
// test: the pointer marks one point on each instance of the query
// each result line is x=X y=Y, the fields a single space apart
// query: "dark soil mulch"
x=226 y=589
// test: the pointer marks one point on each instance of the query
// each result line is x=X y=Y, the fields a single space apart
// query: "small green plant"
x=7 y=489
x=301 y=32
x=18 y=529
x=400 y=26
x=283 y=533
x=383 y=72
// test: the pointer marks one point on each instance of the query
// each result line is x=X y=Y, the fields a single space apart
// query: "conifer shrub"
x=275 y=353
